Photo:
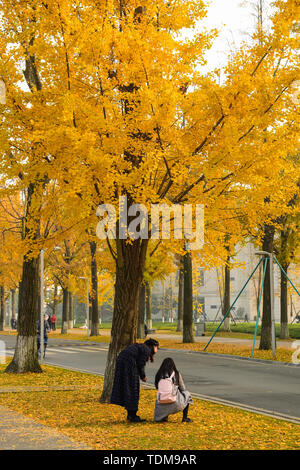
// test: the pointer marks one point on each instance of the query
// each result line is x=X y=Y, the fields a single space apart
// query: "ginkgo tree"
x=119 y=108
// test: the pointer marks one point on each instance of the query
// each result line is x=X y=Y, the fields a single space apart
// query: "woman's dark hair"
x=165 y=370
x=151 y=343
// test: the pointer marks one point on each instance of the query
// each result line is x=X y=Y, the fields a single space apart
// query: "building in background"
x=208 y=290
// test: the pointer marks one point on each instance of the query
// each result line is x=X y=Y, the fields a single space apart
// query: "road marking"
x=78 y=350
x=85 y=349
x=60 y=350
x=66 y=350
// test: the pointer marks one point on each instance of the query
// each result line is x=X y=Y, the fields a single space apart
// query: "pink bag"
x=167 y=391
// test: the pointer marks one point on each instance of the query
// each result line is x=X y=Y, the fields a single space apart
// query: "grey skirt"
x=183 y=399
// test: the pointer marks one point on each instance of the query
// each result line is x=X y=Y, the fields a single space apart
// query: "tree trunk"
x=141 y=319
x=55 y=300
x=65 y=312
x=148 y=306
x=171 y=303
x=266 y=323
x=284 y=327
x=25 y=358
x=94 y=293
x=13 y=303
x=180 y=300
x=100 y=314
x=226 y=298
x=71 y=311
x=2 y=308
x=163 y=303
x=130 y=263
x=188 y=331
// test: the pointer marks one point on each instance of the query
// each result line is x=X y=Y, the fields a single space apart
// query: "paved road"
x=268 y=387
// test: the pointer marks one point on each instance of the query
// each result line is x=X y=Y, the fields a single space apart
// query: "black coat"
x=130 y=368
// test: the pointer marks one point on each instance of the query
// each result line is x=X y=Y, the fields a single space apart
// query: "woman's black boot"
x=185 y=418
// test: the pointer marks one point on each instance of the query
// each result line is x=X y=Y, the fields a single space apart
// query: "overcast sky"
x=234 y=19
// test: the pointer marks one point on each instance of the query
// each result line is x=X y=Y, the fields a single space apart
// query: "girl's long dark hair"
x=151 y=343
x=165 y=370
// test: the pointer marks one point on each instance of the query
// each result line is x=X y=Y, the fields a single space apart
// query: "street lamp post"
x=87 y=306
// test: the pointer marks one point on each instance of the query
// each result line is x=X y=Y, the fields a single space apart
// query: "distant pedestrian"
x=146 y=329
x=130 y=368
x=48 y=319
x=172 y=396
x=53 y=322
x=46 y=330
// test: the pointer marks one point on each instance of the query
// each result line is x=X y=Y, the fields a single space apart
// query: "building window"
x=213 y=306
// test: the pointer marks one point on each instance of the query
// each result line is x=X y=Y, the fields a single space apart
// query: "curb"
x=231 y=356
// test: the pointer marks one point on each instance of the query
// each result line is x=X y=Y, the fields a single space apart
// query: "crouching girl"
x=172 y=396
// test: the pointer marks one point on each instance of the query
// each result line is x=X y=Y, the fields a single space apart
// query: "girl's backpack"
x=167 y=390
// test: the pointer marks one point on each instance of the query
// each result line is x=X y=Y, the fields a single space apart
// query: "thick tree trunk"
x=188 y=330
x=148 y=306
x=284 y=326
x=71 y=311
x=266 y=324
x=94 y=294
x=130 y=265
x=2 y=308
x=226 y=298
x=65 y=312
x=180 y=300
x=141 y=317
x=25 y=358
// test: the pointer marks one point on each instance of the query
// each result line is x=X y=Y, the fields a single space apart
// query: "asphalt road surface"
x=260 y=386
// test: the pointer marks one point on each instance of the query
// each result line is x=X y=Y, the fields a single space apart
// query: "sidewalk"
x=18 y=432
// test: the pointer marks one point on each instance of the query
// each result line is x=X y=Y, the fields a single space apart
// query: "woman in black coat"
x=130 y=368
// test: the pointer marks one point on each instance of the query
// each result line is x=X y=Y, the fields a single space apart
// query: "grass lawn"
x=240 y=330
x=80 y=415
x=282 y=354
